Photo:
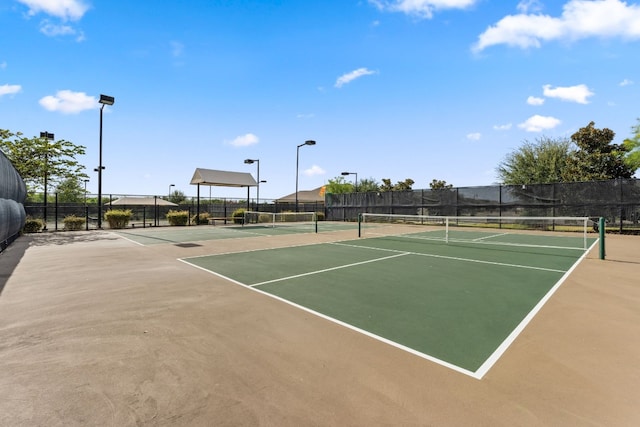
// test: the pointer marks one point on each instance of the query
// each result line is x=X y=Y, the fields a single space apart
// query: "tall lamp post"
x=352 y=173
x=85 y=192
x=48 y=137
x=104 y=100
x=309 y=142
x=170 y=185
x=249 y=162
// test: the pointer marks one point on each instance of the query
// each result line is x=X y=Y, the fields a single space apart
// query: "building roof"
x=140 y=201
x=315 y=195
x=222 y=178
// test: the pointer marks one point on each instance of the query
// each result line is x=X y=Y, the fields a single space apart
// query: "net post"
x=601 y=231
x=359 y=225
x=446 y=228
x=315 y=220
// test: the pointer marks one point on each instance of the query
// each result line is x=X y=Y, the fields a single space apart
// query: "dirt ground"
x=98 y=331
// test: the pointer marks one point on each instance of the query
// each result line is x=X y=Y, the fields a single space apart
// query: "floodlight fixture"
x=352 y=173
x=250 y=162
x=307 y=142
x=104 y=100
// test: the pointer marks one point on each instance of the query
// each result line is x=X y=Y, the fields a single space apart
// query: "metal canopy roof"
x=141 y=201
x=222 y=178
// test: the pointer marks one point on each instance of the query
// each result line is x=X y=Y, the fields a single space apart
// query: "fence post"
x=601 y=224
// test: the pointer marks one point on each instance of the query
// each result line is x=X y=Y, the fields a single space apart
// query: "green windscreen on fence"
x=12 y=195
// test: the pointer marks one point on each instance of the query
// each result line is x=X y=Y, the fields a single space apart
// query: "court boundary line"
x=344 y=324
x=502 y=348
x=479 y=373
x=455 y=258
x=310 y=273
x=478 y=241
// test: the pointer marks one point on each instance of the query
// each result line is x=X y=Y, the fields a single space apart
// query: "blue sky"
x=420 y=89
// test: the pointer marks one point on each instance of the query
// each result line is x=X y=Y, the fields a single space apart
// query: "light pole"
x=249 y=162
x=352 y=173
x=104 y=100
x=85 y=192
x=309 y=142
x=170 y=185
x=48 y=137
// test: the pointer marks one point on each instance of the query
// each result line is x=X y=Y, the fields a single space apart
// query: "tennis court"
x=458 y=302
x=200 y=233
x=98 y=330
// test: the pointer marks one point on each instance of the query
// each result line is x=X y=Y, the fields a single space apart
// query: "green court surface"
x=458 y=304
x=183 y=234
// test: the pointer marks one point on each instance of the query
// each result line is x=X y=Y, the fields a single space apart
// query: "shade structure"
x=140 y=201
x=222 y=178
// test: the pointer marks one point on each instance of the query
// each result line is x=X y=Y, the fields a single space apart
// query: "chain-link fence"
x=618 y=201
x=153 y=212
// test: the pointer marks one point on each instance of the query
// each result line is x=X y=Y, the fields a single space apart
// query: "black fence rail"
x=154 y=213
x=618 y=201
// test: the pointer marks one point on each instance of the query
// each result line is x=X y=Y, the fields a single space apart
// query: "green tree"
x=437 y=184
x=339 y=185
x=177 y=197
x=632 y=145
x=37 y=158
x=538 y=162
x=368 y=184
x=70 y=191
x=398 y=186
x=597 y=158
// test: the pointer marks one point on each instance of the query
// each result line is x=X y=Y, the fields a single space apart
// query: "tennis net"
x=281 y=219
x=550 y=232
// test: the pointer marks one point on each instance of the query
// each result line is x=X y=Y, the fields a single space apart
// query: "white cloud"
x=69 y=102
x=580 y=19
x=421 y=8
x=71 y=10
x=54 y=30
x=8 y=89
x=532 y=100
x=244 y=140
x=475 y=136
x=305 y=116
x=578 y=93
x=3 y=65
x=502 y=127
x=539 y=123
x=314 y=170
x=626 y=82
x=526 y=6
x=349 y=77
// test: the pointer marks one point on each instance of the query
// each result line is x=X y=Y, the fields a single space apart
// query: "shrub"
x=73 y=222
x=238 y=216
x=33 y=225
x=203 y=218
x=118 y=218
x=178 y=217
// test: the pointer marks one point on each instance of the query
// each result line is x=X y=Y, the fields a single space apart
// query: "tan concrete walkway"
x=98 y=331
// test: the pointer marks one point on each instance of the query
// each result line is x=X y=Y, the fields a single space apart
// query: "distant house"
x=308 y=196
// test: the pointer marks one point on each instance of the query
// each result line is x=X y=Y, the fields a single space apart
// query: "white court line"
x=332 y=268
x=489 y=237
x=497 y=354
x=455 y=258
x=344 y=324
x=481 y=371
